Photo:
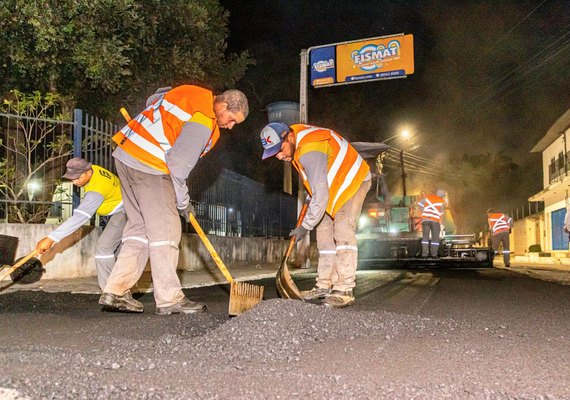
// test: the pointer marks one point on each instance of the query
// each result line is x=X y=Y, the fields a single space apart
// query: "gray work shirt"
x=180 y=159
x=315 y=164
x=81 y=215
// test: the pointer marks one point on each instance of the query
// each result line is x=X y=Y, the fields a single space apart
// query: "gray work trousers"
x=430 y=247
x=497 y=239
x=107 y=247
x=336 y=241
x=153 y=230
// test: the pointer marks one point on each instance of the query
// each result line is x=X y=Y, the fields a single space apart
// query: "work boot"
x=184 y=306
x=339 y=299
x=125 y=302
x=315 y=294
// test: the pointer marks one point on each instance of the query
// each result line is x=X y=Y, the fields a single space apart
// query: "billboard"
x=384 y=57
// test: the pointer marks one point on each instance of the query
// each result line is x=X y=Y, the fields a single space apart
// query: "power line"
x=525 y=69
x=425 y=167
x=514 y=27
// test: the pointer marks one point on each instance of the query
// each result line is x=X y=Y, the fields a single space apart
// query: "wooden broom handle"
x=210 y=248
x=299 y=221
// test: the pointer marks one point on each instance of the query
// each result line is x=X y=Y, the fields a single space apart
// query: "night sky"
x=490 y=76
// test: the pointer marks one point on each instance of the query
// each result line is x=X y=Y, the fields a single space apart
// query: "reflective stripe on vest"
x=499 y=223
x=433 y=208
x=152 y=133
x=346 y=169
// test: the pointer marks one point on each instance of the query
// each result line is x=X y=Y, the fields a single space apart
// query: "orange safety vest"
x=432 y=208
x=346 y=169
x=499 y=222
x=149 y=136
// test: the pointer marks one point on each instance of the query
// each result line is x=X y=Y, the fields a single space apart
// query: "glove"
x=185 y=212
x=299 y=232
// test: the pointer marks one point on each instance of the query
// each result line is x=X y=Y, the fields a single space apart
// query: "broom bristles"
x=243 y=297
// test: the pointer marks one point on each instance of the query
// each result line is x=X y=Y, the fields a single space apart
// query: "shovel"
x=20 y=263
x=243 y=296
x=285 y=285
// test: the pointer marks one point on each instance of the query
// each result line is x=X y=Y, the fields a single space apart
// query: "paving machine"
x=389 y=229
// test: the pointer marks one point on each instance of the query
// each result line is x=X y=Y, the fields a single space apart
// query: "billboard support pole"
x=303 y=116
x=302 y=255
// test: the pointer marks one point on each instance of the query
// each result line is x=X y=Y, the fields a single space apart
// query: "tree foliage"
x=34 y=146
x=98 y=54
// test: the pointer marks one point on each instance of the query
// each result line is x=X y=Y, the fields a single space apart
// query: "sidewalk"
x=188 y=279
x=550 y=269
x=547 y=268
x=560 y=262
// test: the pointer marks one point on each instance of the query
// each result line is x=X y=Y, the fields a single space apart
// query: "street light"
x=404 y=134
x=33 y=186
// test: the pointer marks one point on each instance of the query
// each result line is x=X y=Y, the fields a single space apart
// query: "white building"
x=554 y=147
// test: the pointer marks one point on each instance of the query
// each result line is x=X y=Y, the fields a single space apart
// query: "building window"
x=552 y=167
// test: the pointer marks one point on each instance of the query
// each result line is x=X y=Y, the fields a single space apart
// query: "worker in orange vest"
x=500 y=226
x=431 y=209
x=156 y=152
x=337 y=179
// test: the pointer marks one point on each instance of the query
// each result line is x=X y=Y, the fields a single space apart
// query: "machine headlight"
x=363 y=221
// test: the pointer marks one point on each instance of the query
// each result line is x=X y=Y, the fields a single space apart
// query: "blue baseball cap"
x=272 y=136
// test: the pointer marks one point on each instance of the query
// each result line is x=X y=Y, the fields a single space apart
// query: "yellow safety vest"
x=108 y=185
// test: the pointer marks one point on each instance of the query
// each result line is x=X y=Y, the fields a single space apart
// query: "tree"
x=33 y=148
x=88 y=51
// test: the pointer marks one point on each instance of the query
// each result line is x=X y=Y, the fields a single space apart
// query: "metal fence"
x=33 y=152
x=92 y=139
x=227 y=203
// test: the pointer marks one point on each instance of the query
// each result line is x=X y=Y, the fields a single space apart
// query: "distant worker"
x=500 y=226
x=102 y=197
x=431 y=209
x=156 y=152
x=337 y=179
x=447 y=218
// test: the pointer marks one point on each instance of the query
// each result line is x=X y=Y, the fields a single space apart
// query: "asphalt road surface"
x=425 y=334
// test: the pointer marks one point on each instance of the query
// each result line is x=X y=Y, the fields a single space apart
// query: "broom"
x=243 y=296
x=18 y=264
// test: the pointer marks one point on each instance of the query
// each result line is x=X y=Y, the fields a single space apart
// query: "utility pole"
x=403 y=173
